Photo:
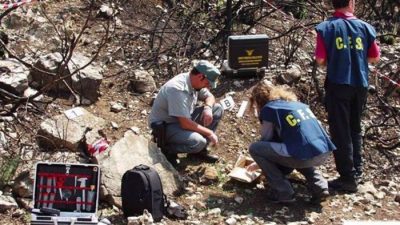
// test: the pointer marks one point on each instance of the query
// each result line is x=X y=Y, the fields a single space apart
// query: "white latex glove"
x=207 y=116
x=213 y=139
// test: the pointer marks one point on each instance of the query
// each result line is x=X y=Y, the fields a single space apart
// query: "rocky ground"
x=210 y=196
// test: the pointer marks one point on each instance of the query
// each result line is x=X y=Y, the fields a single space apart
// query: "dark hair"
x=194 y=71
x=337 y=4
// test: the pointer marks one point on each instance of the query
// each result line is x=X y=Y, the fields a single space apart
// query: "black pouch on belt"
x=159 y=131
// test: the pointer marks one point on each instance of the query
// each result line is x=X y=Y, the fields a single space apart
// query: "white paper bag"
x=240 y=172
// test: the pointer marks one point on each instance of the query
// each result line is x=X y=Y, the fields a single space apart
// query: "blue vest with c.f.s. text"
x=299 y=129
x=347 y=42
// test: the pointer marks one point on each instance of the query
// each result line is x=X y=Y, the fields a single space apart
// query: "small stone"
x=313 y=217
x=367 y=198
x=85 y=101
x=114 y=125
x=231 y=221
x=18 y=213
x=214 y=212
x=248 y=191
x=7 y=202
x=239 y=199
x=379 y=195
x=200 y=205
x=134 y=220
x=397 y=198
x=237 y=83
x=116 y=107
x=368 y=187
x=135 y=130
x=211 y=174
x=23 y=185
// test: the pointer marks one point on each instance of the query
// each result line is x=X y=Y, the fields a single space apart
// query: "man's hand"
x=207 y=116
x=213 y=139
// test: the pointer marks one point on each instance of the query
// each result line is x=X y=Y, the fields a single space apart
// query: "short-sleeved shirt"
x=347 y=41
x=299 y=129
x=176 y=98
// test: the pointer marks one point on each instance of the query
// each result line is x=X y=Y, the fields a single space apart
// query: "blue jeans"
x=179 y=140
x=276 y=167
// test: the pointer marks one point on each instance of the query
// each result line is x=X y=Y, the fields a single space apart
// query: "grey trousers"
x=179 y=140
x=276 y=167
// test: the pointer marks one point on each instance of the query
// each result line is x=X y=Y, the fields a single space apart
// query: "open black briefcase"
x=65 y=194
x=247 y=56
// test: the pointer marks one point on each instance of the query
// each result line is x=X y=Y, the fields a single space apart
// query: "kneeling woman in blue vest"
x=291 y=138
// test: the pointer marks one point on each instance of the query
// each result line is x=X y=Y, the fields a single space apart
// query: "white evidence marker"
x=73 y=113
x=242 y=109
x=227 y=103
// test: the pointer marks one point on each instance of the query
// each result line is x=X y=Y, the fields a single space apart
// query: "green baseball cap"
x=209 y=70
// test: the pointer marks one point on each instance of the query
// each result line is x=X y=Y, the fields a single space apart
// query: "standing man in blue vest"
x=346 y=45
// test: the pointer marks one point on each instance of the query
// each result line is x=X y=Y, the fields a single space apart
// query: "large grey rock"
x=126 y=153
x=86 y=82
x=39 y=34
x=291 y=75
x=143 y=81
x=7 y=202
x=60 y=132
x=48 y=63
x=40 y=28
x=13 y=76
x=15 y=20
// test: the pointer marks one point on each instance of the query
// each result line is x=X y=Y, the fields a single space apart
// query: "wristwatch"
x=208 y=106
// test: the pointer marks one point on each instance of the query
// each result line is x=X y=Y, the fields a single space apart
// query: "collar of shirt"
x=188 y=86
x=344 y=15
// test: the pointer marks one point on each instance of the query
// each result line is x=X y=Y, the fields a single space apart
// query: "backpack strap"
x=152 y=175
x=142 y=174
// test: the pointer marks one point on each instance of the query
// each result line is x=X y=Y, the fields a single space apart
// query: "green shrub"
x=387 y=39
x=8 y=167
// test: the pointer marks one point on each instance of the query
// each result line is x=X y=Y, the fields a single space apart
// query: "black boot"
x=204 y=155
x=318 y=197
x=171 y=157
x=343 y=184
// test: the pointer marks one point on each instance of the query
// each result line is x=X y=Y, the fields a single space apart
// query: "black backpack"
x=141 y=189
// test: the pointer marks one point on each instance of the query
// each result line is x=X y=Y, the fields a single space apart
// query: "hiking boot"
x=320 y=196
x=274 y=198
x=172 y=158
x=341 y=184
x=204 y=155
